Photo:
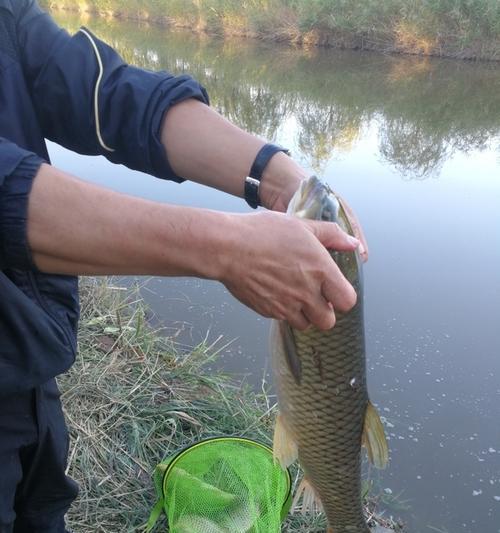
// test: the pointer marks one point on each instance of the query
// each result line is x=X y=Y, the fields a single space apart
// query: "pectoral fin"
x=284 y=447
x=374 y=438
x=290 y=348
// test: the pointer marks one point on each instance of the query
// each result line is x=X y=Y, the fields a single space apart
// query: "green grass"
x=451 y=28
x=132 y=399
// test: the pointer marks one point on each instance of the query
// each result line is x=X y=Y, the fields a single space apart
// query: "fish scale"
x=320 y=378
x=331 y=459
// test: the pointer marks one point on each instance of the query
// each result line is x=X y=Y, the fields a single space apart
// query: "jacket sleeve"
x=90 y=101
x=18 y=167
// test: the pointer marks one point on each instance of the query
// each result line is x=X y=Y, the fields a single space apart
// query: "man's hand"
x=280 y=180
x=279 y=266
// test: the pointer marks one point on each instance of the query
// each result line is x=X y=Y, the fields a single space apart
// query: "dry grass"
x=132 y=399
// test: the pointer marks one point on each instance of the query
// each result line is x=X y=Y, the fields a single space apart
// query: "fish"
x=324 y=413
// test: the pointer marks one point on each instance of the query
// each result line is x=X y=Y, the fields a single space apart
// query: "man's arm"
x=204 y=147
x=275 y=264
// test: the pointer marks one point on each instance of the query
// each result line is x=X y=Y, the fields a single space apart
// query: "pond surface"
x=414 y=145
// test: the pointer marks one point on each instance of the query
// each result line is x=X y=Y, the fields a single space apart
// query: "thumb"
x=332 y=236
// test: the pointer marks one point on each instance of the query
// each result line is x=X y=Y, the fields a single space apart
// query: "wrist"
x=280 y=180
x=216 y=246
x=252 y=182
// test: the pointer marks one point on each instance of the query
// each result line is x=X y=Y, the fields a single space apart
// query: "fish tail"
x=374 y=438
x=284 y=446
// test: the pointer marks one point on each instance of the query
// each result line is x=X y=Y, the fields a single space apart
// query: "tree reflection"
x=426 y=109
x=411 y=150
x=324 y=130
x=256 y=109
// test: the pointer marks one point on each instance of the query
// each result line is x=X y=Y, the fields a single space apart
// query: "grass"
x=131 y=399
x=446 y=28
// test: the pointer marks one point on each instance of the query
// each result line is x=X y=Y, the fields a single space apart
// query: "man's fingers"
x=337 y=290
x=299 y=321
x=357 y=229
x=320 y=313
x=332 y=236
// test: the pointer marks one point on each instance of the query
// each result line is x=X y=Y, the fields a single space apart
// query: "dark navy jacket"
x=79 y=93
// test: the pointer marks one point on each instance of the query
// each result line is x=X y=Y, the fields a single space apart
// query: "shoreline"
x=402 y=39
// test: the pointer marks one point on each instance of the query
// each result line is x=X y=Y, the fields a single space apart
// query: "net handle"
x=155 y=514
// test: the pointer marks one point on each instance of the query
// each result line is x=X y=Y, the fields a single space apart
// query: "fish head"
x=315 y=200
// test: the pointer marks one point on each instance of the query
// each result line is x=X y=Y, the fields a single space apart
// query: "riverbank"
x=132 y=398
x=444 y=28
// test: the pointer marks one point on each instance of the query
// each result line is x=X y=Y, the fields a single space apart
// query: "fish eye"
x=328 y=214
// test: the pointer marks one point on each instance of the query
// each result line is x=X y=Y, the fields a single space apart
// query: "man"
x=79 y=93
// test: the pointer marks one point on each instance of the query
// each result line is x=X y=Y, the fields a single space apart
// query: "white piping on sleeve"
x=96 y=91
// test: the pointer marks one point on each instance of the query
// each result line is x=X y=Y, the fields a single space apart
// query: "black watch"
x=252 y=181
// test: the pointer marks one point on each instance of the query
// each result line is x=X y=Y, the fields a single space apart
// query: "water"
x=414 y=145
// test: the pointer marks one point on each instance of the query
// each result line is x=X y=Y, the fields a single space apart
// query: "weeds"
x=451 y=28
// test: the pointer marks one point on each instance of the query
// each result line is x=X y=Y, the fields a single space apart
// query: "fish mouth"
x=315 y=200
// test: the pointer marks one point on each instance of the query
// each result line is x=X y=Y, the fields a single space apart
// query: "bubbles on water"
x=420 y=371
x=386 y=422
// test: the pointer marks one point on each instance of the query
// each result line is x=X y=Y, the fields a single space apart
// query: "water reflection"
x=325 y=130
x=426 y=109
x=410 y=150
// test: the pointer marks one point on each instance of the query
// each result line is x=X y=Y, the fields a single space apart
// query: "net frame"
x=166 y=468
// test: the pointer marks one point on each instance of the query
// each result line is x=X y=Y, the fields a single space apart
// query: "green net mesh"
x=224 y=485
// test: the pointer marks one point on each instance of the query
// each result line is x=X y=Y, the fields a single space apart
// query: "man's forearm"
x=275 y=264
x=78 y=228
x=203 y=146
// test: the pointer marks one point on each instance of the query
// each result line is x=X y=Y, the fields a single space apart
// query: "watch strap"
x=252 y=181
